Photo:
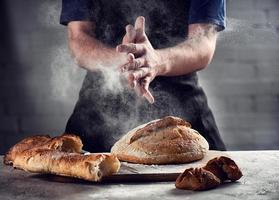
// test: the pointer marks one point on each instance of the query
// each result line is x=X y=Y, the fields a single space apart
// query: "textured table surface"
x=260 y=181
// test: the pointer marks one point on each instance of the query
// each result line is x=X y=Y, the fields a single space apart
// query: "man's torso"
x=103 y=114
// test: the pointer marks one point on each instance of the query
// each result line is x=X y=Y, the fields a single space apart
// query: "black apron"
x=101 y=116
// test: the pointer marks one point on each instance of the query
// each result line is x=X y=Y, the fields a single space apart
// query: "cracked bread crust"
x=65 y=142
x=26 y=143
x=163 y=141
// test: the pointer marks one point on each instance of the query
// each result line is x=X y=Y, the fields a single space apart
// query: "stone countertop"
x=260 y=182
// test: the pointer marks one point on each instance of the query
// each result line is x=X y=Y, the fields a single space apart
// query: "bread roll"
x=162 y=141
x=65 y=142
x=224 y=168
x=215 y=172
x=197 y=179
x=91 y=167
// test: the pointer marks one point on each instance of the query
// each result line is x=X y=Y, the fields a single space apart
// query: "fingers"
x=145 y=89
x=139 y=81
x=142 y=89
x=136 y=33
x=149 y=97
x=140 y=25
x=134 y=64
x=133 y=70
x=129 y=61
x=131 y=81
x=131 y=57
x=137 y=49
x=134 y=76
x=130 y=35
x=140 y=73
x=145 y=83
x=138 y=63
x=130 y=77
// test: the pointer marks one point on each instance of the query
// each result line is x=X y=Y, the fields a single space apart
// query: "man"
x=158 y=58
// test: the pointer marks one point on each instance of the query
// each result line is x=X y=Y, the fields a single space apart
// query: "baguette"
x=61 y=156
x=91 y=167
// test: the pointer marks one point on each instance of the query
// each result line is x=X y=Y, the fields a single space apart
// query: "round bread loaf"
x=162 y=141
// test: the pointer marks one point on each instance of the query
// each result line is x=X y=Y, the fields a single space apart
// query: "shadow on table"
x=180 y=192
x=127 y=180
x=62 y=179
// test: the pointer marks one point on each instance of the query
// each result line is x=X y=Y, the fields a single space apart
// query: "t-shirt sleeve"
x=75 y=10
x=208 y=11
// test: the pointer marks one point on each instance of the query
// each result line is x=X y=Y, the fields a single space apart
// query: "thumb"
x=140 y=25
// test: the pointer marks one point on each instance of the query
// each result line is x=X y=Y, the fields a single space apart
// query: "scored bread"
x=162 y=141
x=65 y=142
x=91 y=167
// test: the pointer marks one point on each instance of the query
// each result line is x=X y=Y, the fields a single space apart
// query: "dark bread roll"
x=224 y=168
x=197 y=179
x=216 y=171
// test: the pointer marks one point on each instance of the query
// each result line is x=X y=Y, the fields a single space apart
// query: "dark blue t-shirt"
x=166 y=20
x=100 y=118
x=201 y=11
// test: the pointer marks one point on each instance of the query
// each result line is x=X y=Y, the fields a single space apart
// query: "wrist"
x=113 y=58
x=162 y=64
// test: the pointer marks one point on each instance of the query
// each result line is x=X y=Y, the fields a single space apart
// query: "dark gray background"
x=39 y=82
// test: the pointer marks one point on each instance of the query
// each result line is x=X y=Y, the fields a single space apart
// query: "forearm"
x=192 y=55
x=91 y=54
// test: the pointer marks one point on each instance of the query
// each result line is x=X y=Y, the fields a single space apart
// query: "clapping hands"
x=143 y=60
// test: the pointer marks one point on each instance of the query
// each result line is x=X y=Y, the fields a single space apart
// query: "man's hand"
x=144 y=61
